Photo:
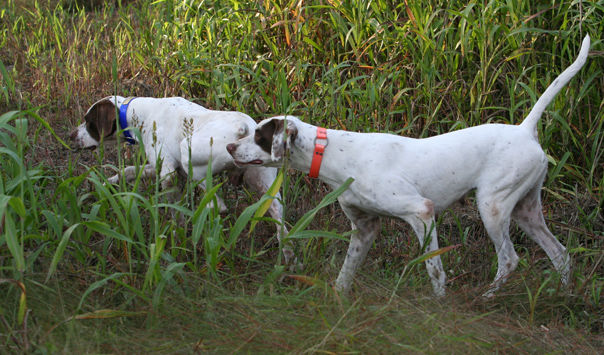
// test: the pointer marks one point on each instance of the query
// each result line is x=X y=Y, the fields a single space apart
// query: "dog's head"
x=99 y=124
x=268 y=145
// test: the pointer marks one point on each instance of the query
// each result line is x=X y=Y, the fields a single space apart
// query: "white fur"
x=169 y=128
x=416 y=179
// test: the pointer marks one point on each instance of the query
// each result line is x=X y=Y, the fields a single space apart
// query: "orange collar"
x=317 y=155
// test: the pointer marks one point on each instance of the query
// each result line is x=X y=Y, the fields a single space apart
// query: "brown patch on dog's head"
x=263 y=137
x=100 y=119
x=269 y=137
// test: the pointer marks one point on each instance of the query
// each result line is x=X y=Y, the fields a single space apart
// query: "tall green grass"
x=94 y=261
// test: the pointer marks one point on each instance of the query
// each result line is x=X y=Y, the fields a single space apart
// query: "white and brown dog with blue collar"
x=416 y=179
x=174 y=130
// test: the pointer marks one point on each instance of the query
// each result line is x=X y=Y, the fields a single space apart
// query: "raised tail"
x=530 y=122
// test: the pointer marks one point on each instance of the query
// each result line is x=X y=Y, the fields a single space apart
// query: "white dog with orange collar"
x=416 y=179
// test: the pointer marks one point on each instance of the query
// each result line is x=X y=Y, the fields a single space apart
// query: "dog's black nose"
x=231 y=148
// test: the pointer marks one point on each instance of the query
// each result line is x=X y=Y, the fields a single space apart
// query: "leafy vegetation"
x=87 y=267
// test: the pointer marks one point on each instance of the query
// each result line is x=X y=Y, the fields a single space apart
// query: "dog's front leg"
x=367 y=227
x=166 y=175
x=129 y=174
x=260 y=180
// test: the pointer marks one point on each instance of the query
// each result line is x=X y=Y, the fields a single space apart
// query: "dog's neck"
x=302 y=150
x=124 y=122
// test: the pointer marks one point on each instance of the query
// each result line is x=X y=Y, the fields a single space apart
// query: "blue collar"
x=124 y=121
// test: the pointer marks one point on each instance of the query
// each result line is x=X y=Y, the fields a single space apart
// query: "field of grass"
x=89 y=268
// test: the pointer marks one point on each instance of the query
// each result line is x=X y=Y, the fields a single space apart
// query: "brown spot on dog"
x=428 y=213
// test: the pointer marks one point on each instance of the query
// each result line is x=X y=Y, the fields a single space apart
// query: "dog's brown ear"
x=100 y=119
x=282 y=138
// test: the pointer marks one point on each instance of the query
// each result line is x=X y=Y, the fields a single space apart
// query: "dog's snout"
x=231 y=148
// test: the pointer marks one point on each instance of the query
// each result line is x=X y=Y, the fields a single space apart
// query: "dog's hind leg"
x=528 y=215
x=167 y=174
x=495 y=209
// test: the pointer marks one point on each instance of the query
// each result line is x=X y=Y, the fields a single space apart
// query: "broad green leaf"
x=22 y=298
x=13 y=242
x=327 y=200
x=60 y=250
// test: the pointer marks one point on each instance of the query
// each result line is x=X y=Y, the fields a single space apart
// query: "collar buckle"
x=321 y=135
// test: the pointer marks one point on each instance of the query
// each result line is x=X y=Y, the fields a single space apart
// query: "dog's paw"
x=296 y=266
x=114 y=179
x=488 y=295
x=292 y=260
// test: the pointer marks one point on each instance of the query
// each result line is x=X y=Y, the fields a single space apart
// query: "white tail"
x=533 y=117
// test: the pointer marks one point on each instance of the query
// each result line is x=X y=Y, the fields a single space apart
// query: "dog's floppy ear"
x=282 y=137
x=100 y=119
